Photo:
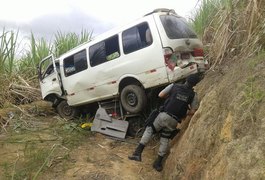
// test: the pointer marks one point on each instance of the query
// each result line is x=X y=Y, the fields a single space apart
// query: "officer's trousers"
x=164 y=123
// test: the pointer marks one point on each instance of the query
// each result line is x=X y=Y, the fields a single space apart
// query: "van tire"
x=133 y=98
x=66 y=111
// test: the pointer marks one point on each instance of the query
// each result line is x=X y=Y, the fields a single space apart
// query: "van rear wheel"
x=133 y=98
x=66 y=111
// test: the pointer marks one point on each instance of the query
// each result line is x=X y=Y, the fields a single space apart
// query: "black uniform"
x=175 y=108
x=181 y=97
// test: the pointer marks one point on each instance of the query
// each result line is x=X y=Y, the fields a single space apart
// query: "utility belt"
x=165 y=134
x=169 y=134
x=173 y=116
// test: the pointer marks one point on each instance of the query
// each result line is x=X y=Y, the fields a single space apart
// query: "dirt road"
x=104 y=158
x=37 y=144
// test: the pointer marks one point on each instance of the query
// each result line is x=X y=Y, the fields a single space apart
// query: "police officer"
x=181 y=99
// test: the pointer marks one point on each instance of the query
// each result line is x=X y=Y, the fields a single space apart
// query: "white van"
x=125 y=63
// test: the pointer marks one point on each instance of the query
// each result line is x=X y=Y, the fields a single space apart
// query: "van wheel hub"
x=67 y=110
x=132 y=99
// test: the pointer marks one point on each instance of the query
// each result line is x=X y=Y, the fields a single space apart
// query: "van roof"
x=169 y=11
x=158 y=10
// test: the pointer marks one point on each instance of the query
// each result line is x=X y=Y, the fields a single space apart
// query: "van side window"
x=75 y=63
x=136 y=38
x=104 y=51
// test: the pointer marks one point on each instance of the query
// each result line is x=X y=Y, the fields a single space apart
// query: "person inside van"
x=181 y=99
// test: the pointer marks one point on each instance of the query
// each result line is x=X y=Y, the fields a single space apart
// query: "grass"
x=253 y=87
x=22 y=69
x=66 y=41
x=8 y=44
x=252 y=92
x=230 y=29
x=201 y=18
x=38 y=50
x=42 y=146
x=259 y=59
x=34 y=161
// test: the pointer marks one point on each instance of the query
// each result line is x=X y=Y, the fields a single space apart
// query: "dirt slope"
x=225 y=138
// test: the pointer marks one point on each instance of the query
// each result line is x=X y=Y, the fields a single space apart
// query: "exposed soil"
x=37 y=142
x=223 y=140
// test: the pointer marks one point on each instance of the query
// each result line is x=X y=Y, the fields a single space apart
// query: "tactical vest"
x=178 y=101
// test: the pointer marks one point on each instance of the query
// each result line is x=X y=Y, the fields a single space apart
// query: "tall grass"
x=39 y=49
x=201 y=20
x=231 y=29
x=66 y=41
x=8 y=44
x=16 y=69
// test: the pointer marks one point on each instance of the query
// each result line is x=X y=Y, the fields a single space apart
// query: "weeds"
x=41 y=146
x=66 y=41
x=38 y=50
x=257 y=60
x=201 y=19
x=252 y=88
x=8 y=44
x=48 y=160
x=252 y=93
x=21 y=71
x=252 y=96
x=231 y=29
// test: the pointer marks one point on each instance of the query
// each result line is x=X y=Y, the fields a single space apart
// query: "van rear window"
x=176 y=27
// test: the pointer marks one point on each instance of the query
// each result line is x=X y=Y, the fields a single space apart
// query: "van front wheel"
x=66 y=111
x=133 y=98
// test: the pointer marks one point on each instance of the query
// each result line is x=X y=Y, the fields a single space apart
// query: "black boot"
x=137 y=153
x=158 y=163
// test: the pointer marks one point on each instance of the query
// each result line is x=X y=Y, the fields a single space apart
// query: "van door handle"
x=54 y=79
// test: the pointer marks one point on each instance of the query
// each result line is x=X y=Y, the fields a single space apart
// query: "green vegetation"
x=22 y=69
x=8 y=43
x=41 y=146
x=28 y=62
x=252 y=92
x=253 y=89
x=64 y=42
x=201 y=20
x=231 y=29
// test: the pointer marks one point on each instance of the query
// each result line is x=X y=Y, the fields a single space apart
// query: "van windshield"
x=176 y=27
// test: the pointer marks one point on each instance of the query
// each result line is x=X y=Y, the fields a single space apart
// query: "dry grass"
x=4 y=95
x=17 y=90
x=236 y=31
x=18 y=74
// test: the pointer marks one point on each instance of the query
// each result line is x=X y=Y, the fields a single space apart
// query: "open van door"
x=49 y=77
